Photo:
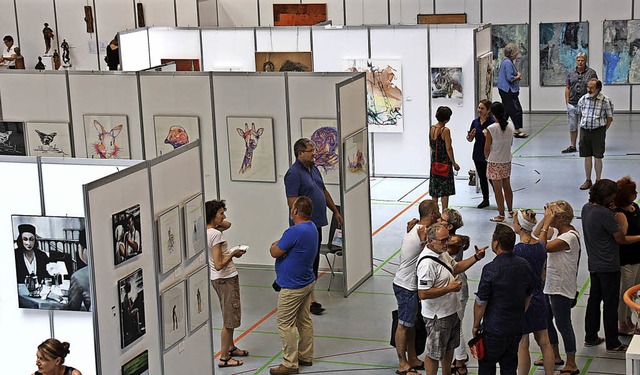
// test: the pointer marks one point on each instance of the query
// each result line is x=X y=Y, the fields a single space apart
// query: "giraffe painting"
x=251 y=137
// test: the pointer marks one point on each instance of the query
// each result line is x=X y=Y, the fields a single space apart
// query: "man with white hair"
x=576 y=87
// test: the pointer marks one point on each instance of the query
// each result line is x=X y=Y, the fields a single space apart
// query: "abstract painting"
x=621 y=56
x=485 y=76
x=501 y=35
x=173 y=315
x=12 y=138
x=446 y=83
x=251 y=149
x=194 y=226
x=198 y=290
x=50 y=139
x=324 y=133
x=299 y=14
x=132 y=319
x=284 y=62
x=174 y=131
x=355 y=159
x=559 y=45
x=169 y=239
x=384 y=93
x=139 y=365
x=50 y=262
x=127 y=242
x=107 y=136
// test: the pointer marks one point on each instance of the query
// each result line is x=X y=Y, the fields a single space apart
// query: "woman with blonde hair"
x=50 y=359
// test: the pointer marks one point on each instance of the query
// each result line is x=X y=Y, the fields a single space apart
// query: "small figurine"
x=56 y=60
x=40 y=64
x=19 y=59
x=48 y=35
x=65 y=53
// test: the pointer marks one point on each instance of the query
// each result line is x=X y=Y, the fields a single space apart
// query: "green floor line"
x=383 y=275
x=583 y=289
x=377 y=183
x=362 y=339
x=534 y=135
x=585 y=369
x=386 y=261
x=268 y=363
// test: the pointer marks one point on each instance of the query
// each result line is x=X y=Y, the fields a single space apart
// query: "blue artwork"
x=559 y=45
x=501 y=35
x=621 y=57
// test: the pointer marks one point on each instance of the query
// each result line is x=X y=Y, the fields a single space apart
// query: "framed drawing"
x=127 y=241
x=252 y=155
x=49 y=139
x=484 y=84
x=621 y=52
x=501 y=35
x=384 y=93
x=173 y=315
x=194 y=226
x=12 y=138
x=299 y=14
x=139 y=365
x=107 y=136
x=132 y=319
x=355 y=159
x=559 y=45
x=198 y=291
x=169 y=239
x=174 y=131
x=284 y=62
x=324 y=133
x=446 y=83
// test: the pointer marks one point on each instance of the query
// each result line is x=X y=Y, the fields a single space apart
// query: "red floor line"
x=398 y=214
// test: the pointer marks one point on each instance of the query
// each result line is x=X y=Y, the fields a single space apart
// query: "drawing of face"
x=177 y=136
x=28 y=240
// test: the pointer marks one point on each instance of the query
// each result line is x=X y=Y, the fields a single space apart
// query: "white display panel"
x=8 y=24
x=111 y=17
x=405 y=12
x=335 y=10
x=483 y=41
x=228 y=50
x=34 y=96
x=158 y=12
x=208 y=13
x=173 y=43
x=134 y=50
x=283 y=39
x=32 y=14
x=470 y=7
x=332 y=47
x=500 y=12
x=71 y=28
x=187 y=13
x=366 y=12
x=237 y=13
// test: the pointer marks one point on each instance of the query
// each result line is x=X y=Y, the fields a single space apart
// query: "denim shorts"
x=408 y=305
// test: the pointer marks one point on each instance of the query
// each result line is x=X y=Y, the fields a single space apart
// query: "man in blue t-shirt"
x=295 y=253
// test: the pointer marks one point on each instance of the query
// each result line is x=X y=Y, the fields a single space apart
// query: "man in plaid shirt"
x=596 y=115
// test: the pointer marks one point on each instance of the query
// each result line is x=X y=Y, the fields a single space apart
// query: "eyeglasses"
x=441 y=240
x=312 y=150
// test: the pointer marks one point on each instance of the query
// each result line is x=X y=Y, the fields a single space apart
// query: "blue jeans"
x=560 y=307
x=502 y=350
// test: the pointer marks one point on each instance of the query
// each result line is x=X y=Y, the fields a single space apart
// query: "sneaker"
x=587 y=185
x=283 y=370
x=569 y=150
x=484 y=203
x=316 y=308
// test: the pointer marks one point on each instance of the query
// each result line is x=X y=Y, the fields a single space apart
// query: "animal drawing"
x=46 y=139
x=4 y=138
x=251 y=137
x=326 y=141
x=358 y=164
x=177 y=137
x=106 y=147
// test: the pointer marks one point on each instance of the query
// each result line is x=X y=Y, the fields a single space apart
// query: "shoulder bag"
x=439 y=169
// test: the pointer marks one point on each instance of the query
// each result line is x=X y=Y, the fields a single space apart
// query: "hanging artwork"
x=173 y=315
x=299 y=14
x=12 y=138
x=621 y=57
x=139 y=365
x=169 y=239
x=127 y=242
x=446 y=83
x=107 y=136
x=194 y=226
x=50 y=139
x=132 y=318
x=559 y=45
x=501 y=35
x=485 y=76
x=284 y=62
x=197 y=287
x=355 y=159
x=384 y=93
x=324 y=133
x=174 y=131
x=251 y=149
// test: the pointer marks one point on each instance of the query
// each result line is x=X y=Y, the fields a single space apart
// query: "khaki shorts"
x=228 y=291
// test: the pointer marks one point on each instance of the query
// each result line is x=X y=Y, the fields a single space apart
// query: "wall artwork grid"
x=194 y=226
x=355 y=159
x=174 y=131
x=251 y=149
x=559 y=45
x=107 y=136
x=132 y=318
x=169 y=239
x=485 y=76
x=127 y=241
x=621 y=52
x=384 y=93
x=173 y=315
x=324 y=133
x=446 y=83
x=50 y=139
x=198 y=291
x=12 y=138
x=501 y=35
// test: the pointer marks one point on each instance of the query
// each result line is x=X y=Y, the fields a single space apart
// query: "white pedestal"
x=632 y=356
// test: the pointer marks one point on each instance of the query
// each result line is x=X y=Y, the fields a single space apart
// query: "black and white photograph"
x=131 y=296
x=127 y=241
x=12 y=138
x=173 y=315
x=197 y=287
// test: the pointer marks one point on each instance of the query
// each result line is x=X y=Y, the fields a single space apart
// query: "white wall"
x=173 y=43
x=187 y=13
x=32 y=15
x=237 y=13
x=228 y=50
x=158 y=12
x=112 y=17
x=208 y=13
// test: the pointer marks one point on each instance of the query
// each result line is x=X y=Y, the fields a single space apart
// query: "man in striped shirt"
x=596 y=115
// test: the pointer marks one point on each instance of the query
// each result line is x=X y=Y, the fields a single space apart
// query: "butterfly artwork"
x=107 y=136
x=48 y=139
x=12 y=138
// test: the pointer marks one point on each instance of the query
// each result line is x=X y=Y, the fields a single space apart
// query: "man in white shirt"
x=9 y=54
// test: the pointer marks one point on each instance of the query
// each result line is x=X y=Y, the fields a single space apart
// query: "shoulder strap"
x=437 y=260
x=579 y=249
x=436 y=140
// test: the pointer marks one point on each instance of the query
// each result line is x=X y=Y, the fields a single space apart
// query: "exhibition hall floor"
x=352 y=336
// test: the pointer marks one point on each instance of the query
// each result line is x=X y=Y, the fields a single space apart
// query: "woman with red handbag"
x=441 y=182
x=497 y=150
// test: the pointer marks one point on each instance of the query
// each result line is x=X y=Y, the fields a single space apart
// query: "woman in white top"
x=497 y=150
x=561 y=279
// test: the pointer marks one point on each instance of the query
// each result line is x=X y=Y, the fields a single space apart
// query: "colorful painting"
x=107 y=136
x=169 y=239
x=12 y=138
x=139 y=365
x=446 y=83
x=485 y=76
x=127 y=242
x=501 y=35
x=198 y=289
x=621 y=56
x=299 y=14
x=174 y=131
x=284 y=62
x=194 y=226
x=132 y=319
x=384 y=93
x=251 y=149
x=324 y=133
x=559 y=45
x=173 y=315
x=49 y=139
x=355 y=159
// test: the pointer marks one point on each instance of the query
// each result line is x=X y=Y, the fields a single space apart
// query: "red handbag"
x=476 y=346
x=439 y=169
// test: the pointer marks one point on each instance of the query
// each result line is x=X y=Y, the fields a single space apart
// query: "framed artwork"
x=173 y=315
x=127 y=241
x=485 y=76
x=50 y=261
x=299 y=14
x=198 y=291
x=324 y=133
x=446 y=83
x=107 y=136
x=559 y=45
x=501 y=35
x=50 y=139
x=252 y=155
x=12 y=138
x=169 y=239
x=621 y=52
x=384 y=93
x=139 y=365
x=194 y=226
x=356 y=160
x=284 y=62
x=175 y=131
x=132 y=319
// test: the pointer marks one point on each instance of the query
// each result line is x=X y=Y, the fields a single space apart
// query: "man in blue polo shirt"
x=303 y=179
